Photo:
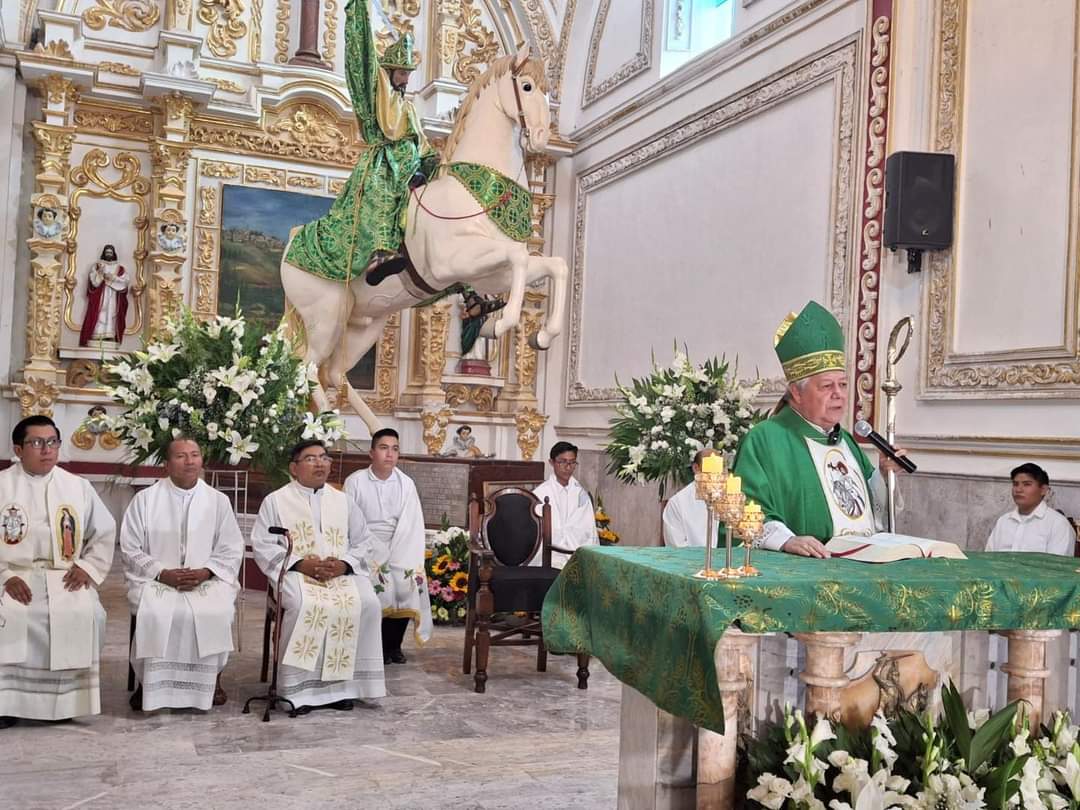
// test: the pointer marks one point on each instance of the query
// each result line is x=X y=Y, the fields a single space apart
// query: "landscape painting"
x=255 y=225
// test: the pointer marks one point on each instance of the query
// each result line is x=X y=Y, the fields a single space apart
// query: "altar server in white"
x=573 y=519
x=182 y=550
x=391 y=506
x=331 y=644
x=685 y=516
x=56 y=546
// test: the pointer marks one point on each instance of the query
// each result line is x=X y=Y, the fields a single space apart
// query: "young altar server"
x=391 y=507
x=573 y=519
x=1033 y=525
x=182 y=550
x=685 y=516
x=331 y=616
x=56 y=546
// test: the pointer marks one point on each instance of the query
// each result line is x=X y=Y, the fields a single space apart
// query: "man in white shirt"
x=573 y=519
x=182 y=550
x=56 y=546
x=331 y=616
x=685 y=516
x=391 y=507
x=1032 y=525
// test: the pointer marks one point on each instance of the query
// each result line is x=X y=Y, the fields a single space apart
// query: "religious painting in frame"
x=255 y=225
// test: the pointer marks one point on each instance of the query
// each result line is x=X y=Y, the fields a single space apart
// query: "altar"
x=685 y=644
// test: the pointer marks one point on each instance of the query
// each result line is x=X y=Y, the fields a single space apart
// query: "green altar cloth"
x=654 y=626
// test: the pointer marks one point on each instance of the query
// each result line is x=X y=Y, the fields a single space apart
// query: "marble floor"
x=533 y=740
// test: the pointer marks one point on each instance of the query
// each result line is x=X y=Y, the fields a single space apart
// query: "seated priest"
x=685 y=514
x=391 y=508
x=573 y=519
x=182 y=551
x=811 y=478
x=1033 y=525
x=56 y=546
x=331 y=641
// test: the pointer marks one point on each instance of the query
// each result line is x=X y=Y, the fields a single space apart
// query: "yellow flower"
x=428 y=554
x=608 y=535
x=459 y=582
x=442 y=562
x=601 y=517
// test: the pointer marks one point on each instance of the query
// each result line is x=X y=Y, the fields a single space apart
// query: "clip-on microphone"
x=272 y=698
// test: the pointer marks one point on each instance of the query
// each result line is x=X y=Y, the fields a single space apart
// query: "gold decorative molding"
x=208 y=207
x=136 y=124
x=36 y=396
x=80 y=373
x=255 y=40
x=836 y=67
x=430 y=330
x=521 y=389
x=330 y=19
x=641 y=61
x=57 y=49
x=228 y=86
x=225 y=18
x=130 y=187
x=481 y=397
x=529 y=423
x=305 y=181
x=119 y=68
x=131 y=15
x=260 y=175
x=300 y=131
x=435 y=421
x=281 y=31
x=59 y=89
x=336 y=185
x=384 y=398
x=214 y=168
x=1022 y=374
x=469 y=66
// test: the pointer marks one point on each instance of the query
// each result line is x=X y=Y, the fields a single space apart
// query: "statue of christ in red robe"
x=106 y=300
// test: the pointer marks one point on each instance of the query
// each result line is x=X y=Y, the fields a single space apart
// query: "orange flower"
x=459 y=582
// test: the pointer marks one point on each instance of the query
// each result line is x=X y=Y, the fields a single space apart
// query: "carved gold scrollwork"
x=81 y=373
x=255 y=40
x=131 y=15
x=212 y=168
x=530 y=425
x=208 y=206
x=226 y=25
x=330 y=14
x=59 y=89
x=269 y=177
x=281 y=31
x=435 y=421
x=114 y=122
x=36 y=396
x=485 y=44
x=130 y=187
x=119 y=68
x=55 y=49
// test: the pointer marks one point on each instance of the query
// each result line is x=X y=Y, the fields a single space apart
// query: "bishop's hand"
x=805 y=546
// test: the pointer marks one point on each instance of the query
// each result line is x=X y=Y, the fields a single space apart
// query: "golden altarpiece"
x=161 y=129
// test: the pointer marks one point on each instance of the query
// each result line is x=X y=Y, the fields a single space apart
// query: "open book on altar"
x=886 y=547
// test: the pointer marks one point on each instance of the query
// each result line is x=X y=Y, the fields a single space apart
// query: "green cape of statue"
x=369 y=213
x=778 y=472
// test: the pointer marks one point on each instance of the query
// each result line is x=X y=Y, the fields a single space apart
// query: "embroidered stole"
x=845 y=488
x=71 y=613
x=328 y=619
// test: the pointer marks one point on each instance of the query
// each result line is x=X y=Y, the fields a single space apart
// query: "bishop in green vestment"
x=364 y=230
x=812 y=479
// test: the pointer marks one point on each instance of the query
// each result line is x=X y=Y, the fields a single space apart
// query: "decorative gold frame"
x=83 y=178
x=1044 y=372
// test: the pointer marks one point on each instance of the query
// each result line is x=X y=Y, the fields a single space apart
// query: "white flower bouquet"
x=667 y=417
x=243 y=395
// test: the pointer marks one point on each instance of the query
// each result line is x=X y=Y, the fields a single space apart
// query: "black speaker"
x=919 y=200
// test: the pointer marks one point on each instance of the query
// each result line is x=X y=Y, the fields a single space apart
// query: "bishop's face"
x=822 y=399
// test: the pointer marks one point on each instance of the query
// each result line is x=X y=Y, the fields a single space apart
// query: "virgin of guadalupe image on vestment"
x=68 y=530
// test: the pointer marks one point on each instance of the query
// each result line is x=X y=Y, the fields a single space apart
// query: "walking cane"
x=272 y=698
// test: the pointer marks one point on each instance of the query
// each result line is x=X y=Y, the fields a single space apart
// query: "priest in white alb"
x=573 y=519
x=685 y=517
x=330 y=641
x=182 y=550
x=56 y=547
x=391 y=507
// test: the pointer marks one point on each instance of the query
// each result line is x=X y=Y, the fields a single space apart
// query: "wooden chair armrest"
x=562 y=550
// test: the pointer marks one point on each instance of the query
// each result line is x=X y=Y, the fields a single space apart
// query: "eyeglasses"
x=561 y=463
x=39 y=444
x=323 y=459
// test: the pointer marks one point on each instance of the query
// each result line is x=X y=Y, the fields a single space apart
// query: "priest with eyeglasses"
x=56 y=547
x=331 y=652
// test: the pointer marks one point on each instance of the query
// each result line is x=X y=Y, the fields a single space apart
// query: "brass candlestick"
x=749 y=530
x=709 y=487
x=731 y=510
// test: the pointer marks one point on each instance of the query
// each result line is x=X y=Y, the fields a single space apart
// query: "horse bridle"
x=515 y=72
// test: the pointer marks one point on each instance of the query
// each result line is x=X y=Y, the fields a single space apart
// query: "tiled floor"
x=533 y=740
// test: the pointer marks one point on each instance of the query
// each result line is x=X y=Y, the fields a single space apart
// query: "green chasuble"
x=778 y=472
x=369 y=213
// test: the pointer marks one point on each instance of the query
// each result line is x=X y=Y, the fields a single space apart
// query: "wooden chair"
x=502 y=541
x=131 y=643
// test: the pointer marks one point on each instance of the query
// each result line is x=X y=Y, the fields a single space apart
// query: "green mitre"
x=810 y=343
x=400 y=55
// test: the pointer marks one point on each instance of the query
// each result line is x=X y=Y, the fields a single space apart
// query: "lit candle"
x=712 y=464
x=753 y=508
x=734 y=485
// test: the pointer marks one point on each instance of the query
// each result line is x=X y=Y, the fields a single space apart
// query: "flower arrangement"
x=667 y=417
x=607 y=535
x=242 y=394
x=447 y=567
x=959 y=761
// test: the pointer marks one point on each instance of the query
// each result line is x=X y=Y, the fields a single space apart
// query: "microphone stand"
x=271 y=698
x=890 y=386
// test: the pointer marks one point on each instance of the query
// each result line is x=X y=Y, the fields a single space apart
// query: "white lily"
x=161 y=352
x=771 y=791
x=240 y=447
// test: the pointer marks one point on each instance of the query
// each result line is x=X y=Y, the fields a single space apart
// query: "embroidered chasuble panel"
x=655 y=627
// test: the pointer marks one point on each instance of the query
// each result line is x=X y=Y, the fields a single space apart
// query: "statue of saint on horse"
x=464 y=221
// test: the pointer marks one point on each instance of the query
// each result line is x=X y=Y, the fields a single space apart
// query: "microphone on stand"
x=863 y=430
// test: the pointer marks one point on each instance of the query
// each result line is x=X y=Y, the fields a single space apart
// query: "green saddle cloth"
x=506 y=203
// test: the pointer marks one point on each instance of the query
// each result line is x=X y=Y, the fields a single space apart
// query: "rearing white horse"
x=449 y=237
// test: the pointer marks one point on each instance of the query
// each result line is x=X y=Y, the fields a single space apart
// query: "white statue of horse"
x=449 y=237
